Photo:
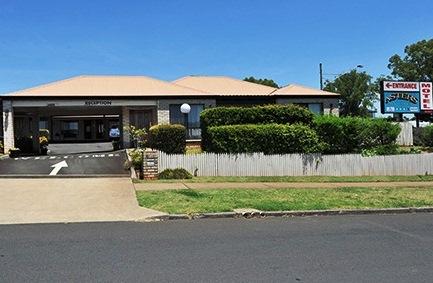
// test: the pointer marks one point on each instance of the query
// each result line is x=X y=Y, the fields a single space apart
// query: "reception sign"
x=400 y=97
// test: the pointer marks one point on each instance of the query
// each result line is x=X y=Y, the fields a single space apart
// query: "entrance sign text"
x=426 y=96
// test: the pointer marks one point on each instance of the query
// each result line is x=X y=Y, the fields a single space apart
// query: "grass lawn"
x=200 y=201
x=319 y=179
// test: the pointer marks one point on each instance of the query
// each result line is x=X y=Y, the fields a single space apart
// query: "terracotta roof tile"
x=294 y=89
x=224 y=85
x=108 y=86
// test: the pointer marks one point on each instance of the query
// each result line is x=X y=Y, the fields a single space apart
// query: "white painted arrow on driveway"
x=57 y=167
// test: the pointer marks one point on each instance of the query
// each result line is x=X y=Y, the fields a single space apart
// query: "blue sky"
x=43 y=41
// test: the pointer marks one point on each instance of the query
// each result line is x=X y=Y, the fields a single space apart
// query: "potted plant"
x=14 y=152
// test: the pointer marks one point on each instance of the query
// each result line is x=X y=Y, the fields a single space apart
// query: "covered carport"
x=73 y=121
x=64 y=124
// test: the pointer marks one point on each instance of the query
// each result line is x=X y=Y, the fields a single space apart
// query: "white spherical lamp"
x=185 y=108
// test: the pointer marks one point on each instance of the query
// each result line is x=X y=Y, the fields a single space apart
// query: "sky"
x=48 y=40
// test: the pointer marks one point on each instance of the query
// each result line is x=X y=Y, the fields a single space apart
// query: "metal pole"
x=321 y=76
x=186 y=125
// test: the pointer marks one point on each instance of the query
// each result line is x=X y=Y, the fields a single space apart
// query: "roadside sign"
x=402 y=97
x=426 y=90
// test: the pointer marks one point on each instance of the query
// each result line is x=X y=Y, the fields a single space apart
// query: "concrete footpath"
x=70 y=200
x=153 y=186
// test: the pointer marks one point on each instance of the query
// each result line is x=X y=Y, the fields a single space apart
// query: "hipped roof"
x=123 y=86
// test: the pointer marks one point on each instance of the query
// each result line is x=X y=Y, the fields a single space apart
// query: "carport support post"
x=125 y=125
x=35 y=133
x=8 y=126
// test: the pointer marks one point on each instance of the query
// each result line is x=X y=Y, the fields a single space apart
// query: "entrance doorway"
x=94 y=128
x=142 y=118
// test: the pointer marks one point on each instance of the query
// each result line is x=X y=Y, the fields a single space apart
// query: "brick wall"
x=150 y=164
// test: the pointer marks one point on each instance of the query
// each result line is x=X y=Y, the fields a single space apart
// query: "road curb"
x=37 y=176
x=298 y=213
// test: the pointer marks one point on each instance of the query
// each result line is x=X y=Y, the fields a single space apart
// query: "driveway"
x=74 y=200
x=86 y=164
x=72 y=148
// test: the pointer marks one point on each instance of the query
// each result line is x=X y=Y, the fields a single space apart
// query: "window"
x=43 y=123
x=69 y=129
x=316 y=108
x=141 y=118
x=176 y=117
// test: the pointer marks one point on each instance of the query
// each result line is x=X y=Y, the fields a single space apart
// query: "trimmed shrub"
x=389 y=149
x=177 y=173
x=136 y=158
x=269 y=139
x=427 y=136
x=278 y=114
x=167 y=138
x=353 y=134
x=379 y=132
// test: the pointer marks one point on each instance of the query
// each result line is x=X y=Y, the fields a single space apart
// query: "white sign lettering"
x=400 y=86
x=97 y=103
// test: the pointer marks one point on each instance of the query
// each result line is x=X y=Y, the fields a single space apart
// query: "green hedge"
x=278 y=114
x=427 y=136
x=352 y=134
x=269 y=139
x=177 y=173
x=167 y=138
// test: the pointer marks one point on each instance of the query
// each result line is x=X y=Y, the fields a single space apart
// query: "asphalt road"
x=100 y=163
x=373 y=248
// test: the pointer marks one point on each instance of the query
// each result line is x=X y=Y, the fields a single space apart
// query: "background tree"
x=357 y=93
x=267 y=82
x=417 y=64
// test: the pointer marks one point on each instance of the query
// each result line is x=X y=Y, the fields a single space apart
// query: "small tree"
x=357 y=93
x=138 y=136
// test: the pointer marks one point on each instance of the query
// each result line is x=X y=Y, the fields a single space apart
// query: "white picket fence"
x=257 y=164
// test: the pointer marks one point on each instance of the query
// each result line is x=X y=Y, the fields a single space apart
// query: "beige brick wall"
x=8 y=125
x=163 y=105
x=328 y=103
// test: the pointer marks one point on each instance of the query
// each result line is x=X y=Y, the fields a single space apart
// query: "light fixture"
x=185 y=108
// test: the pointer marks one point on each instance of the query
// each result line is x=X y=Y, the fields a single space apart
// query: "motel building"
x=84 y=108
